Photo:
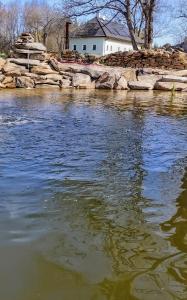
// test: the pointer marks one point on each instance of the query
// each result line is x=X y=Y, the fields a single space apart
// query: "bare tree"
x=124 y=9
x=39 y=18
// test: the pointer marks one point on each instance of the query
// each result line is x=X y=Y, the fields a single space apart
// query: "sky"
x=170 y=28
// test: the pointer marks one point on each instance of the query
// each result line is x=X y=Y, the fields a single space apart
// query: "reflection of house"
x=101 y=37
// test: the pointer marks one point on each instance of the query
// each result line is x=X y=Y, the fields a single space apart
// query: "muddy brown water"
x=93 y=195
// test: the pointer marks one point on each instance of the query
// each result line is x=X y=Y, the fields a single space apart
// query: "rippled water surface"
x=93 y=195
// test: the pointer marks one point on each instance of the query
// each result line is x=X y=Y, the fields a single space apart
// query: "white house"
x=100 y=37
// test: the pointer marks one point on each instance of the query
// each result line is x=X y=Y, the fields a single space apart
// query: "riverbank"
x=30 y=66
x=51 y=73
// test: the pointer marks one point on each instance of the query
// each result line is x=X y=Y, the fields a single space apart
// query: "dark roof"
x=183 y=45
x=98 y=27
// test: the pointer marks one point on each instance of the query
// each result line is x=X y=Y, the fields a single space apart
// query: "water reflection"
x=88 y=192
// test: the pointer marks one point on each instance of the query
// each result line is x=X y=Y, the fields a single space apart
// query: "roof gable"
x=98 y=27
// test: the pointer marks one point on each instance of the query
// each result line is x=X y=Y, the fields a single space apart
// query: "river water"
x=93 y=195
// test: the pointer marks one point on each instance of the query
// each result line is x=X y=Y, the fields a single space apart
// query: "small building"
x=101 y=37
x=182 y=45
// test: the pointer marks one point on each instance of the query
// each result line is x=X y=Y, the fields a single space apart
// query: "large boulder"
x=169 y=86
x=140 y=85
x=82 y=81
x=45 y=86
x=25 y=62
x=128 y=73
x=43 y=69
x=31 y=75
x=24 y=82
x=30 y=46
x=32 y=57
x=181 y=73
x=121 y=84
x=11 y=69
x=66 y=83
x=9 y=82
x=2 y=63
x=2 y=77
x=46 y=81
x=106 y=81
x=172 y=78
x=27 y=51
x=152 y=79
x=54 y=77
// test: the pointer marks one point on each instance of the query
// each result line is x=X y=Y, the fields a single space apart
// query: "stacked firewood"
x=159 y=58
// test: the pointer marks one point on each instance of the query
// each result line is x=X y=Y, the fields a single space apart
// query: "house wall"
x=111 y=46
x=89 y=42
x=104 y=45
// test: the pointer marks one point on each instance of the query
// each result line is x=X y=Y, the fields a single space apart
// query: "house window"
x=111 y=48
x=118 y=49
x=94 y=47
x=74 y=47
x=84 y=47
x=107 y=48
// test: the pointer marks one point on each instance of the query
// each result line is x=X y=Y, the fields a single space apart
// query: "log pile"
x=159 y=58
x=69 y=56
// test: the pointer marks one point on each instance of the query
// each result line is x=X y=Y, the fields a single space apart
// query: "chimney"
x=98 y=15
x=67 y=35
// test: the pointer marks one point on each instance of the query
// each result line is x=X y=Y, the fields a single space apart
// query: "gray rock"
x=66 y=83
x=25 y=62
x=2 y=77
x=140 y=85
x=54 y=77
x=11 y=69
x=169 y=86
x=27 y=51
x=106 y=81
x=30 y=46
x=24 y=82
x=82 y=81
x=45 y=86
x=121 y=84
x=152 y=79
x=43 y=69
x=172 y=78
x=2 y=63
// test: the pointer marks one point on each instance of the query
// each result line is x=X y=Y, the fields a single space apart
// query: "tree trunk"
x=130 y=25
x=44 y=38
x=150 y=25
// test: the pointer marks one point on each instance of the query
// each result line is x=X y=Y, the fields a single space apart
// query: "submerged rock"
x=169 y=86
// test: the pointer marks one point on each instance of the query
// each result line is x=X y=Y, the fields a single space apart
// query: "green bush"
x=3 y=55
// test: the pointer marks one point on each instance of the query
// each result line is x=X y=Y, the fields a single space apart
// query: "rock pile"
x=147 y=58
x=28 y=53
x=31 y=67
